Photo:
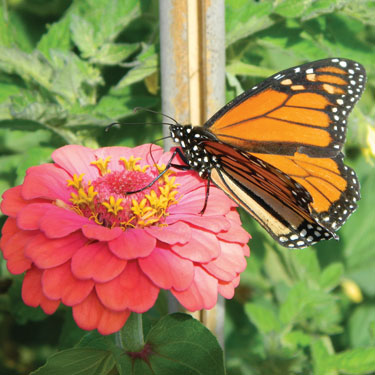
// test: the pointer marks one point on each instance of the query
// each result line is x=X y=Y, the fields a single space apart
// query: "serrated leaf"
x=121 y=103
x=320 y=7
x=244 y=18
x=83 y=36
x=78 y=362
x=265 y=319
x=182 y=345
x=147 y=64
x=291 y=8
x=304 y=265
x=354 y=362
x=331 y=276
x=108 y=18
x=360 y=323
x=361 y=10
x=297 y=339
x=74 y=79
x=57 y=37
x=301 y=303
x=31 y=67
x=113 y=53
x=6 y=37
x=241 y=68
x=320 y=351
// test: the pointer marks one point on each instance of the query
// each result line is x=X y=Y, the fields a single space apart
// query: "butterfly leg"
x=169 y=165
x=206 y=197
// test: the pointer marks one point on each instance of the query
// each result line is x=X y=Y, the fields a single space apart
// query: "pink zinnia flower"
x=85 y=243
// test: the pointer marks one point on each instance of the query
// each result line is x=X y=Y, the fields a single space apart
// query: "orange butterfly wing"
x=301 y=109
x=273 y=198
x=295 y=122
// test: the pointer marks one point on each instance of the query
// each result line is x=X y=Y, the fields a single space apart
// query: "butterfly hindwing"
x=276 y=201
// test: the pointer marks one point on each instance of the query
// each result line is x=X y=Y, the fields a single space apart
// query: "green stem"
x=131 y=335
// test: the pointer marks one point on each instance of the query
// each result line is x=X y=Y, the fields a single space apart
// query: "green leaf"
x=292 y=8
x=31 y=67
x=57 y=37
x=354 y=362
x=297 y=339
x=244 y=18
x=147 y=64
x=182 y=345
x=360 y=323
x=363 y=10
x=74 y=79
x=102 y=20
x=264 y=318
x=120 y=102
x=78 y=362
x=304 y=265
x=83 y=36
x=6 y=38
x=113 y=54
x=359 y=235
x=241 y=68
x=331 y=276
x=320 y=351
x=320 y=7
x=301 y=303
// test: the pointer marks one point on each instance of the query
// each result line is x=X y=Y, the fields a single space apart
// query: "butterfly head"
x=192 y=139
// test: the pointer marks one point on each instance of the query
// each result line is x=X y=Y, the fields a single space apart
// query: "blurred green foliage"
x=68 y=69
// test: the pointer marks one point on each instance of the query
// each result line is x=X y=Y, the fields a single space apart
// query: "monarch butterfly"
x=276 y=150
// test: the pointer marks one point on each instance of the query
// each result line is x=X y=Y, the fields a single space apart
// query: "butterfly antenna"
x=136 y=109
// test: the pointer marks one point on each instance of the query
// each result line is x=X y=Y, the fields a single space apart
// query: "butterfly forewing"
x=301 y=109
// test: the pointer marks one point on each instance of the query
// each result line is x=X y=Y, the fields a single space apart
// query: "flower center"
x=105 y=200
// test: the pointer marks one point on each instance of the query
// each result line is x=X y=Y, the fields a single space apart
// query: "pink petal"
x=46 y=181
x=133 y=243
x=190 y=181
x=9 y=229
x=59 y=283
x=235 y=234
x=12 y=201
x=100 y=233
x=131 y=290
x=91 y=314
x=178 y=232
x=193 y=202
x=246 y=250
x=32 y=292
x=233 y=216
x=227 y=289
x=214 y=224
x=167 y=270
x=203 y=247
x=13 y=251
x=76 y=159
x=47 y=253
x=28 y=217
x=59 y=222
x=95 y=261
x=202 y=293
x=229 y=264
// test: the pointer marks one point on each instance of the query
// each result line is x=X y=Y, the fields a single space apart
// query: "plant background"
x=68 y=69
